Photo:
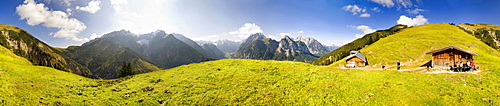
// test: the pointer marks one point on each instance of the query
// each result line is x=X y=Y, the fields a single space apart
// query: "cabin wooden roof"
x=357 y=54
x=452 y=47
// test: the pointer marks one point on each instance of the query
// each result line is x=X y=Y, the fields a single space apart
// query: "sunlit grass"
x=237 y=81
x=410 y=45
x=10 y=27
x=255 y=82
x=479 y=26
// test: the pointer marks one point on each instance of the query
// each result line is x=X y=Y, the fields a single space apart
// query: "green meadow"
x=410 y=45
x=267 y=82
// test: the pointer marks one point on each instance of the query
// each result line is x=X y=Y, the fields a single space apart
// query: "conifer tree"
x=126 y=69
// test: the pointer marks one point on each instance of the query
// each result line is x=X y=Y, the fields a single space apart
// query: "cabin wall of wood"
x=449 y=57
x=356 y=60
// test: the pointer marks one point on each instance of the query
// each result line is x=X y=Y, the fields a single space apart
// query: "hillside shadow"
x=427 y=64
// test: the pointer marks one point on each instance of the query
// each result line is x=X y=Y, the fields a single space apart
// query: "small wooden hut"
x=449 y=55
x=356 y=59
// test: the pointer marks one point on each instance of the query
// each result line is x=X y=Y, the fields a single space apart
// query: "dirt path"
x=380 y=69
x=419 y=69
x=445 y=71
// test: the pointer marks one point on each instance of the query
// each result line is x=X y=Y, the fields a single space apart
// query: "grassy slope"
x=410 y=45
x=38 y=53
x=10 y=27
x=23 y=83
x=488 y=33
x=479 y=26
x=239 y=81
x=356 y=45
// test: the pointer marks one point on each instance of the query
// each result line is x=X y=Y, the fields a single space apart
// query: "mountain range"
x=101 y=57
x=257 y=46
x=224 y=45
x=315 y=47
x=148 y=52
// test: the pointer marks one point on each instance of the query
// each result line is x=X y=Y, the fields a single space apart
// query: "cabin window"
x=464 y=57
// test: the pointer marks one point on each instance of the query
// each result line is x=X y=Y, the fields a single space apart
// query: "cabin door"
x=451 y=60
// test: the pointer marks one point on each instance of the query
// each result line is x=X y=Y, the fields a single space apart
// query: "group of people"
x=457 y=67
x=397 y=63
x=463 y=66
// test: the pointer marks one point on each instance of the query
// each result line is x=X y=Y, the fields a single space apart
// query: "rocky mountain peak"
x=159 y=32
x=253 y=37
x=227 y=46
x=120 y=33
x=158 y=36
x=257 y=46
x=314 y=46
x=213 y=50
x=257 y=36
x=301 y=37
x=287 y=39
x=290 y=47
x=307 y=40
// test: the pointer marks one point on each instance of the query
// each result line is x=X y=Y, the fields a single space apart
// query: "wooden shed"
x=356 y=59
x=449 y=55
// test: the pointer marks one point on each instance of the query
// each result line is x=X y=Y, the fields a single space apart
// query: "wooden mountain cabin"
x=449 y=55
x=356 y=59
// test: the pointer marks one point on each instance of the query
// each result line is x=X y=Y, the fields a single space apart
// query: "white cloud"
x=284 y=34
x=404 y=3
x=419 y=20
x=246 y=30
x=354 y=9
x=359 y=35
x=274 y=37
x=385 y=3
x=376 y=9
x=92 y=7
x=243 y=32
x=364 y=28
x=94 y=35
x=69 y=11
x=392 y=3
x=36 y=14
x=80 y=39
x=66 y=3
x=337 y=43
x=415 y=11
x=214 y=36
x=365 y=15
x=117 y=3
x=145 y=16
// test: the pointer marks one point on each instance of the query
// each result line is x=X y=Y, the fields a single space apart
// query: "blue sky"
x=62 y=23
